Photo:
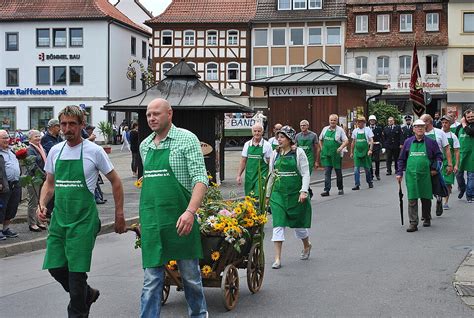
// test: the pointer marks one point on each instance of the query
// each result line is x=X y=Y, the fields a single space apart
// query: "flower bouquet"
x=33 y=176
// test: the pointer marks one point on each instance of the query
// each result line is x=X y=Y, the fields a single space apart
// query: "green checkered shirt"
x=186 y=159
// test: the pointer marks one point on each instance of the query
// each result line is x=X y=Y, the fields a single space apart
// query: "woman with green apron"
x=361 y=151
x=288 y=194
x=454 y=147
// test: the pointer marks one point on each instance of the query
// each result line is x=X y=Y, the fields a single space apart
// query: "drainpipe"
x=372 y=97
x=108 y=66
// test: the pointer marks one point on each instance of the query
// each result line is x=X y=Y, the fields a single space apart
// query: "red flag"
x=416 y=86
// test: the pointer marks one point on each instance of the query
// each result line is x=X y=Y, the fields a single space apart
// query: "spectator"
x=51 y=137
x=126 y=138
x=135 y=149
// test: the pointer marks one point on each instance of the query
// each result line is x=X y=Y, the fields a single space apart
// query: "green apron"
x=466 y=152
x=255 y=160
x=286 y=210
x=162 y=201
x=274 y=146
x=449 y=179
x=361 y=158
x=329 y=155
x=307 y=146
x=418 y=177
x=75 y=221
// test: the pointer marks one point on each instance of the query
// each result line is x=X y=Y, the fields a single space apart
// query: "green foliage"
x=106 y=130
x=383 y=111
x=34 y=175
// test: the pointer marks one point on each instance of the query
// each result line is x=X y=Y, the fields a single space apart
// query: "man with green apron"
x=332 y=142
x=174 y=184
x=420 y=157
x=466 y=164
x=361 y=152
x=255 y=156
x=273 y=141
x=288 y=193
x=72 y=169
x=454 y=147
x=309 y=142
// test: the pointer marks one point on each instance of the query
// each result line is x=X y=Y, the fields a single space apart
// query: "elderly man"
x=377 y=146
x=51 y=137
x=361 y=152
x=466 y=140
x=174 y=184
x=332 y=141
x=273 y=141
x=309 y=142
x=11 y=198
x=419 y=157
x=255 y=157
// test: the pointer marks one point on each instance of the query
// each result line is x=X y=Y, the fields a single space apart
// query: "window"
x=7 y=117
x=361 y=65
x=144 y=49
x=232 y=71
x=468 y=64
x=260 y=37
x=75 y=37
x=299 y=4
x=278 y=70
x=232 y=38
x=42 y=75
x=189 y=38
x=133 y=83
x=12 y=77
x=406 y=23
x=42 y=37
x=405 y=65
x=296 y=69
x=167 y=38
x=296 y=36
x=76 y=75
x=432 y=22
x=382 y=65
x=59 y=38
x=192 y=65
x=39 y=117
x=334 y=35
x=314 y=36
x=211 y=72
x=315 y=4
x=362 y=23
x=468 y=22
x=279 y=37
x=133 y=46
x=284 y=4
x=432 y=64
x=261 y=72
x=211 y=38
x=383 y=23
x=11 y=40
x=59 y=75
x=165 y=67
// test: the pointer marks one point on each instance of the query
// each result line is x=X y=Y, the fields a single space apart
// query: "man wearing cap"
x=255 y=157
x=51 y=137
x=361 y=152
x=407 y=129
x=392 y=143
x=419 y=157
x=274 y=140
x=332 y=141
x=454 y=148
x=377 y=146
x=466 y=140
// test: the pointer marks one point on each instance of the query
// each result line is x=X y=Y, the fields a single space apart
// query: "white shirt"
x=273 y=141
x=267 y=149
x=368 y=133
x=94 y=160
x=340 y=134
x=440 y=136
x=456 y=144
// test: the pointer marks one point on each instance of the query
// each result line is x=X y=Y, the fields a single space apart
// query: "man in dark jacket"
x=392 y=143
x=51 y=137
x=407 y=130
x=377 y=145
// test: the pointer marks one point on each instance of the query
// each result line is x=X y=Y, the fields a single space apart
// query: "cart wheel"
x=230 y=286
x=165 y=293
x=255 y=268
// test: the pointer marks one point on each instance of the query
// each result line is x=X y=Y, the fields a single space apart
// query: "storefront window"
x=7 y=116
x=39 y=117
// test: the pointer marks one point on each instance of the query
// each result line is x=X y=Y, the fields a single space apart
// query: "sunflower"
x=172 y=265
x=215 y=255
x=138 y=183
x=206 y=270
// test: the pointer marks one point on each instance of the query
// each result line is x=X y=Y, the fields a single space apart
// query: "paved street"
x=363 y=263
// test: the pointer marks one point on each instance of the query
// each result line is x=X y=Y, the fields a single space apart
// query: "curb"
x=40 y=243
x=463 y=281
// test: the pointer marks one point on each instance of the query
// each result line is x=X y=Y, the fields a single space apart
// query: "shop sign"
x=43 y=57
x=240 y=123
x=406 y=85
x=32 y=91
x=312 y=90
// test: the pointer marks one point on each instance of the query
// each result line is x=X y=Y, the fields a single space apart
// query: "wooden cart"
x=225 y=270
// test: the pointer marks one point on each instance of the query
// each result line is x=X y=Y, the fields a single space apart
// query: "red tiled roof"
x=30 y=10
x=207 y=11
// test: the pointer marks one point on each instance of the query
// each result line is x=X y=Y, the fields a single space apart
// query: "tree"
x=383 y=111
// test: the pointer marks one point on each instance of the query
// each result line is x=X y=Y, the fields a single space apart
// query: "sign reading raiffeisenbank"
x=313 y=90
x=32 y=91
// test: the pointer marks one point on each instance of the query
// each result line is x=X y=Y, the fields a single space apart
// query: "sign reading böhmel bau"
x=315 y=90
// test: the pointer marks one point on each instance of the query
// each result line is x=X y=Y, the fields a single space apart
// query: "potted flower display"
x=106 y=131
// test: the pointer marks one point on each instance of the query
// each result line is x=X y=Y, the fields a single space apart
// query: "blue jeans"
x=466 y=187
x=193 y=290
x=368 y=176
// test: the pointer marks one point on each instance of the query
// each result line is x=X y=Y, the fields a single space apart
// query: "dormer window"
x=284 y=4
x=315 y=4
x=299 y=4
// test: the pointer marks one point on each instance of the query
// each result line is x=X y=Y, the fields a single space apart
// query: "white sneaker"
x=276 y=265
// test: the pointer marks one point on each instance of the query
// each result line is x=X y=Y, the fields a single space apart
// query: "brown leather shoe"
x=427 y=223
x=412 y=228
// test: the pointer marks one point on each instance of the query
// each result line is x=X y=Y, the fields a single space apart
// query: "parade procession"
x=177 y=195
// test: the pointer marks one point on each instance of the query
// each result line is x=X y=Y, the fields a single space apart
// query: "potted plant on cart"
x=106 y=131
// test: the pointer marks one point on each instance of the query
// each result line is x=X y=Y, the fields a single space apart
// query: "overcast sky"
x=155 y=6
